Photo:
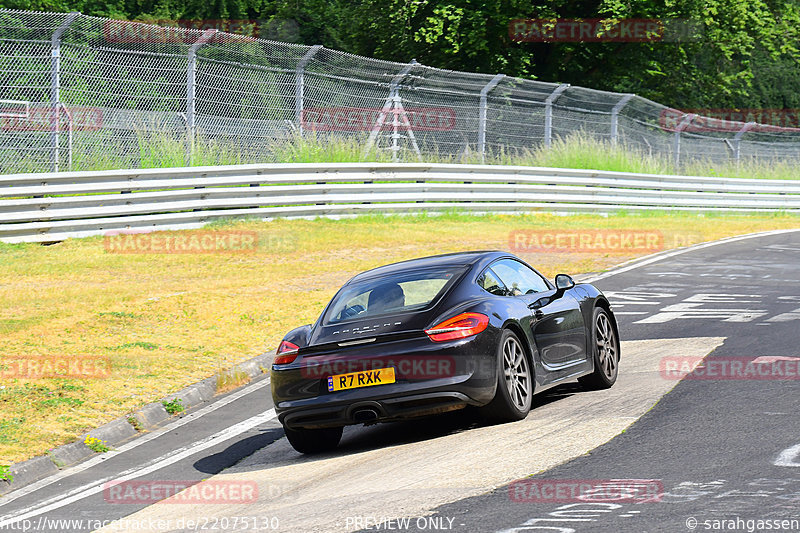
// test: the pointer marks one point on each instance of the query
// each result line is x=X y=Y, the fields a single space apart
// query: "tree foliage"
x=740 y=53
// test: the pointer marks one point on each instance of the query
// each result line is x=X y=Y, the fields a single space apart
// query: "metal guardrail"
x=57 y=206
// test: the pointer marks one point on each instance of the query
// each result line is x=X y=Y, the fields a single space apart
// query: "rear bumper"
x=431 y=378
x=384 y=409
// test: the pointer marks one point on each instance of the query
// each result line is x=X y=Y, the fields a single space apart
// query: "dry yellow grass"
x=167 y=320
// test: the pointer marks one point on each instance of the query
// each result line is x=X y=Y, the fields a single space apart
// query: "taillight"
x=287 y=352
x=458 y=327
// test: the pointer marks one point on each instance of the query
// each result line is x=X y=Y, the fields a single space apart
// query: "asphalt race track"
x=716 y=451
x=715 y=445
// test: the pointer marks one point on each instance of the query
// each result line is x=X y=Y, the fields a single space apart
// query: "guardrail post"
x=300 y=85
x=737 y=140
x=482 y=114
x=55 y=87
x=548 y=113
x=615 y=116
x=191 y=93
x=676 y=143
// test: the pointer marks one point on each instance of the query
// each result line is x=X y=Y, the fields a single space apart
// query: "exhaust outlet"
x=365 y=416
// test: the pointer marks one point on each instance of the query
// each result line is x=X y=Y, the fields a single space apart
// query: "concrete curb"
x=119 y=431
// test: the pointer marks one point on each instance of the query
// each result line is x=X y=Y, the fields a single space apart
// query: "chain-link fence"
x=86 y=93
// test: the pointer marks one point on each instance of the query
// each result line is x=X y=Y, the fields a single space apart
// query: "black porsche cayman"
x=440 y=333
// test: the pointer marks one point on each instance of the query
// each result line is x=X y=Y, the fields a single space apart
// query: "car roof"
x=444 y=260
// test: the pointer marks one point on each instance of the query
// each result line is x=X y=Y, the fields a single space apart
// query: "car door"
x=556 y=322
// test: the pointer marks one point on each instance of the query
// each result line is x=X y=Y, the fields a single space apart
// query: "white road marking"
x=620 y=299
x=165 y=460
x=789 y=457
x=766 y=359
x=637 y=263
x=637 y=297
x=571 y=512
x=786 y=317
x=205 y=443
x=718 y=298
x=692 y=310
x=672 y=274
x=782 y=247
x=384 y=476
x=191 y=417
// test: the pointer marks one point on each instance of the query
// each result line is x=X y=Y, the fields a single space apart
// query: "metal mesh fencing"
x=86 y=93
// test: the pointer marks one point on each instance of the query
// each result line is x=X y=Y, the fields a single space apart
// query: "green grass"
x=118 y=314
x=578 y=150
x=173 y=407
x=310 y=149
x=4 y=474
x=96 y=445
x=138 y=344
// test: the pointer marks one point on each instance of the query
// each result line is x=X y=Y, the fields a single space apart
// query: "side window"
x=519 y=278
x=489 y=282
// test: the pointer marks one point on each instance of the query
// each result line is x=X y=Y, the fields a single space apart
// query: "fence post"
x=55 y=87
x=649 y=146
x=191 y=75
x=390 y=104
x=300 y=85
x=482 y=114
x=615 y=116
x=397 y=103
x=69 y=135
x=737 y=140
x=548 y=113
x=188 y=149
x=676 y=143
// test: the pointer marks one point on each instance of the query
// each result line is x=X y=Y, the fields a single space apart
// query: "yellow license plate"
x=365 y=378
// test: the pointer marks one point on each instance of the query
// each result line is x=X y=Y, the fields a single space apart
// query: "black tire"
x=514 y=392
x=314 y=440
x=605 y=348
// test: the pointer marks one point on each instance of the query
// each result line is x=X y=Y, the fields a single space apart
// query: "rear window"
x=400 y=293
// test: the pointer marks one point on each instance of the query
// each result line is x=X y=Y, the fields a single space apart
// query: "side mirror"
x=564 y=282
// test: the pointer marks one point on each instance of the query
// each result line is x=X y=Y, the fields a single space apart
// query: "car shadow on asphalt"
x=359 y=439
x=410 y=431
x=217 y=462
